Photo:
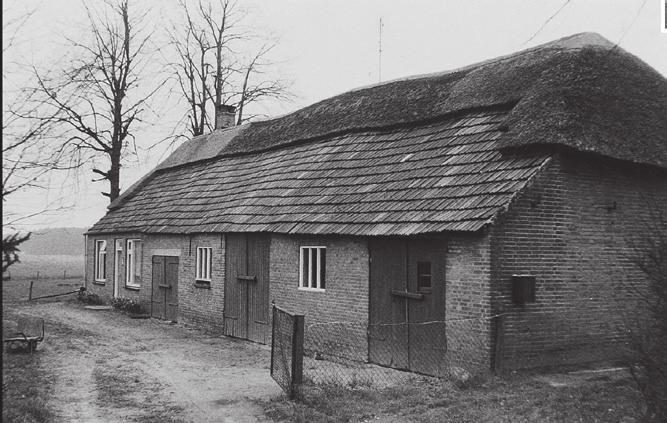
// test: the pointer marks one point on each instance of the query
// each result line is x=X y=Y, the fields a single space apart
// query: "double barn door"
x=164 y=293
x=407 y=304
x=247 y=287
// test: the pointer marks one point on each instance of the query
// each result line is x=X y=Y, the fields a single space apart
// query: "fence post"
x=500 y=339
x=297 y=353
x=30 y=292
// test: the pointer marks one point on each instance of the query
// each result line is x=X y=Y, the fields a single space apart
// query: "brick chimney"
x=225 y=116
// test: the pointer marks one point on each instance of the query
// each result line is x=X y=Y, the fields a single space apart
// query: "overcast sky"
x=330 y=46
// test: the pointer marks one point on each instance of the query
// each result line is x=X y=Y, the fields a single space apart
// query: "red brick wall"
x=571 y=229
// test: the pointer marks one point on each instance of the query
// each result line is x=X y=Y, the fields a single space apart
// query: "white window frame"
x=306 y=282
x=131 y=263
x=204 y=261
x=100 y=260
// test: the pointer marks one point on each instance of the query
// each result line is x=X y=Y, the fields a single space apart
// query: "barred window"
x=312 y=268
x=203 y=268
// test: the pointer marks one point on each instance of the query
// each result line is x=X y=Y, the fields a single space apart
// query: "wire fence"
x=287 y=350
x=382 y=355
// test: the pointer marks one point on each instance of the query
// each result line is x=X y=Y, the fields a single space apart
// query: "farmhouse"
x=512 y=187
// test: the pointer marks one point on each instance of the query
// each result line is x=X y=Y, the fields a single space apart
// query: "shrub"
x=89 y=298
x=128 y=305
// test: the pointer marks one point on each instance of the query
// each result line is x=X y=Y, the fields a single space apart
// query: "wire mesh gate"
x=287 y=350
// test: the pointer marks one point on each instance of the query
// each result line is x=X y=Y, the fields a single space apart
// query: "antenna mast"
x=380 y=53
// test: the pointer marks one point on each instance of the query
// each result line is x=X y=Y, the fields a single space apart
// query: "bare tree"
x=28 y=158
x=211 y=71
x=99 y=98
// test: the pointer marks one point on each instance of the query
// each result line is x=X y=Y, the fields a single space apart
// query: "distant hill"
x=55 y=241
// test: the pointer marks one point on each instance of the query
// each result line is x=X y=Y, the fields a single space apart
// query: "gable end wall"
x=572 y=229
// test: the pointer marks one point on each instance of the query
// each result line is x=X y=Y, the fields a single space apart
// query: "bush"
x=89 y=298
x=128 y=305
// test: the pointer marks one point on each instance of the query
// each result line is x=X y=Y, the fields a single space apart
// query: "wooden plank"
x=258 y=293
x=157 y=294
x=235 y=293
x=427 y=329
x=388 y=335
x=171 y=293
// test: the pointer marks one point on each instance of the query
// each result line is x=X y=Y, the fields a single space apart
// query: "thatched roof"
x=579 y=92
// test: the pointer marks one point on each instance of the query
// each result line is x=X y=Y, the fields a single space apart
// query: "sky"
x=326 y=47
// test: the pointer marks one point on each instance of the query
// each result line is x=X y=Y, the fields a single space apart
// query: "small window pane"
x=304 y=267
x=323 y=267
x=424 y=275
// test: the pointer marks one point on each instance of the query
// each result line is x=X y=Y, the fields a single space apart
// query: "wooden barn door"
x=247 y=287
x=407 y=304
x=388 y=334
x=164 y=288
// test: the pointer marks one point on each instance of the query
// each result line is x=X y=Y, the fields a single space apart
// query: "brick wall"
x=468 y=302
x=344 y=300
x=200 y=304
x=572 y=229
x=105 y=288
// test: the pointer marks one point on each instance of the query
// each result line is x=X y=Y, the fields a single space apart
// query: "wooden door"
x=426 y=276
x=247 y=287
x=164 y=288
x=171 y=288
x=407 y=304
x=388 y=330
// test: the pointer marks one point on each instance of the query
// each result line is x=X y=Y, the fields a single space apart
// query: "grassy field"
x=47 y=267
x=19 y=290
x=604 y=397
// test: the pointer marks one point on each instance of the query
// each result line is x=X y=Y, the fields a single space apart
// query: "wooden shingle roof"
x=423 y=154
x=442 y=176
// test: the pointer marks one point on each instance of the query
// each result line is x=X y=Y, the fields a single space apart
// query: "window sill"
x=203 y=284
x=132 y=287
x=312 y=289
x=102 y=283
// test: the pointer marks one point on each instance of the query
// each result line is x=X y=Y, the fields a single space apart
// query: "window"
x=312 y=268
x=101 y=260
x=424 y=276
x=133 y=263
x=203 y=272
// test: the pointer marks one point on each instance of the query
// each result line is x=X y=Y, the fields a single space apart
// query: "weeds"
x=25 y=389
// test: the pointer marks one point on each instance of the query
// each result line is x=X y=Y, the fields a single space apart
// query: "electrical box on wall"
x=523 y=289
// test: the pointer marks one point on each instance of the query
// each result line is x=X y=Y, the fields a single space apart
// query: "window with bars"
x=100 y=260
x=203 y=267
x=133 y=263
x=312 y=268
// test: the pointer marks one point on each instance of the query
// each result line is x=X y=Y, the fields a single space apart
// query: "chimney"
x=225 y=116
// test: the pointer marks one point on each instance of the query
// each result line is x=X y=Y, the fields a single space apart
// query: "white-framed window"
x=133 y=263
x=312 y=268
x=203 y=267
x=100 y=260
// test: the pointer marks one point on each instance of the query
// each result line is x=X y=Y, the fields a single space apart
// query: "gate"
x=247 y=287
x=407 y=304
x=164 y=292
x=287 y=350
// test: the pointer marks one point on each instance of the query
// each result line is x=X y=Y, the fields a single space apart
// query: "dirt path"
x=111 y=368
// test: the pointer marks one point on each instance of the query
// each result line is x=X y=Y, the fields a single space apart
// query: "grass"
x=26 y=387
x=48 y=266
x=19 y=289
x=519 y=398
x=127 y=386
